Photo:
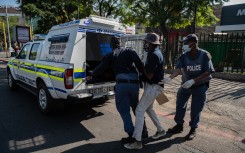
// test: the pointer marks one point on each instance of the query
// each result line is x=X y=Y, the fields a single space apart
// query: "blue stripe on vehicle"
x=79 y=75
x=60 y=90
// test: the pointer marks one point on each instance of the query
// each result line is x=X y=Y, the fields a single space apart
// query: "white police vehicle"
x=55 y=68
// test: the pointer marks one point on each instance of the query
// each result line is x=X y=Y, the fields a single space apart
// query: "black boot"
x=144 y=134
x=178 y=128
x=128 y=139
x=191 y=135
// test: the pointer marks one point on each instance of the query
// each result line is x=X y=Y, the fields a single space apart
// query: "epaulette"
x=208 y=54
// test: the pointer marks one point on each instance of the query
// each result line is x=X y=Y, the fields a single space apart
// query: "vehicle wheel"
x=11 y=82
x=44 y=99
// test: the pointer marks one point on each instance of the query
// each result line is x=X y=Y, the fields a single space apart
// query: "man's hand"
x=167 y=80
x=89 y=75
x=89 y=78
x=188 y=84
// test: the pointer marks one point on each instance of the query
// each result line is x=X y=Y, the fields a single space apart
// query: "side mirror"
x=12 y=54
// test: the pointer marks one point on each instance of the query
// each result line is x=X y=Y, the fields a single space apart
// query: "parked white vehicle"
x=56 y=67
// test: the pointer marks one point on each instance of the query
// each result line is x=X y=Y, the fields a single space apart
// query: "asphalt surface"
x=97 y=127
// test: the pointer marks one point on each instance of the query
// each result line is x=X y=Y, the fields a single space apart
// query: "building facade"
x=232 y=19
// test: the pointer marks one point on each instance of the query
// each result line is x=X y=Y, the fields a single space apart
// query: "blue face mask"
x=186 y=48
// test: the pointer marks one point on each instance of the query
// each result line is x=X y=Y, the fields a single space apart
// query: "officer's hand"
x=89 y=78
x=90 y=73
x=167 y=80
x=188 y=84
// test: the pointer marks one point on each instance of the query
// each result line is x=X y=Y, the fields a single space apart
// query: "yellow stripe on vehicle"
x=42 y=74
x=56 y=78
x=79 y=70
x=78 y=80
x=28 y=64
x=51 y=68
x=28 y=71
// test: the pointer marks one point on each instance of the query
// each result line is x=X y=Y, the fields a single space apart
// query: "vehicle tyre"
x=44 y=99
x=11 y=82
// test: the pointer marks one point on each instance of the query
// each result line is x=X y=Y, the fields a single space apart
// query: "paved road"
x=97 y=127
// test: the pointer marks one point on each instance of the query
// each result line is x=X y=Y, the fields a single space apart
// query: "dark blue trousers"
x=197 y=103
x=127 y=95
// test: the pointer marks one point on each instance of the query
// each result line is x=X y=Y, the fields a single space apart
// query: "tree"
x=107 y=8
x=168 y=14
x=55 y=12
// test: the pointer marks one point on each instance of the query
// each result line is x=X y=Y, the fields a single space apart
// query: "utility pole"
x=194 y=20
x=5 y=41
x=10 y=47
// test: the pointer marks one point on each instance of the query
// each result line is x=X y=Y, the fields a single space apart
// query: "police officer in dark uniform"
x=197 y=68
x=126 y=65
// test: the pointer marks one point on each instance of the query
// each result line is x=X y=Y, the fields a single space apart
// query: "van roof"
x=95 y=22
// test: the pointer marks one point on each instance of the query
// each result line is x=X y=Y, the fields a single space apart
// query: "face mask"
x=186 y=48
x=146 y=46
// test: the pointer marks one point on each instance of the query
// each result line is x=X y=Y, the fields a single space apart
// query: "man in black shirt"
x=126 y=65
x=153 y=71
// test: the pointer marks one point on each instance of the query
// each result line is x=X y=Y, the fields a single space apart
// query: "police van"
x=55 y=69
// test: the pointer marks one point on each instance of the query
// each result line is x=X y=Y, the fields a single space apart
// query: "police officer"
x=153 y=71
x=124 y=62
x=197 y=68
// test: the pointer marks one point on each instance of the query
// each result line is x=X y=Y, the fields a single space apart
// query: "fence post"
x=243 y=52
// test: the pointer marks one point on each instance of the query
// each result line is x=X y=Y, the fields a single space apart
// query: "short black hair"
x=115 y=41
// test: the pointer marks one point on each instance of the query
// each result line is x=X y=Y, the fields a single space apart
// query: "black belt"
x=127 y=81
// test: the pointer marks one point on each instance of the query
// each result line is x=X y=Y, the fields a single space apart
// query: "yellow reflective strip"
x=10 y=65
x=79 y=70
x=51 y=68
x=42 y=74
x=56 y=78
x=28 y=64
x=29 y=71
x=78 y=80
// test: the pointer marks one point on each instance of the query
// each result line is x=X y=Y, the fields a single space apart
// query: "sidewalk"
x=3 y=56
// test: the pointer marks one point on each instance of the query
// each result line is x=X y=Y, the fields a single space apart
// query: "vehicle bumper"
x=79 y=98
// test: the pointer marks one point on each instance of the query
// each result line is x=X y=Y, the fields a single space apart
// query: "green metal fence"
x=227 y=50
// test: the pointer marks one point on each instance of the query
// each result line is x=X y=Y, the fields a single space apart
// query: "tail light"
x=68 y=79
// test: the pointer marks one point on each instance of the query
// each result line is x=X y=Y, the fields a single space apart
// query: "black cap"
x=190 y=37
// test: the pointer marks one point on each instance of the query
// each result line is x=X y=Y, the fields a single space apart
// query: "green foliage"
x=55 y=12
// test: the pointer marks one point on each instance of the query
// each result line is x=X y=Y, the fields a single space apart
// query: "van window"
x=97 y=46
x=57 y=48
x=58 y=44
x=23 y=52
x=33 y=52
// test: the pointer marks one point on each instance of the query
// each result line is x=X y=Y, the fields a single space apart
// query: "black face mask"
x=146 y=46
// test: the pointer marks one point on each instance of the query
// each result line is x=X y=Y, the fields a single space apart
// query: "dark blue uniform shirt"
x=193 y=68
x=154 y=64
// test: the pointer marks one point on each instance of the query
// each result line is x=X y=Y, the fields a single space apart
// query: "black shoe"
x=178 y=128
x=127 y=140
x=191 y=135
x=144 y=135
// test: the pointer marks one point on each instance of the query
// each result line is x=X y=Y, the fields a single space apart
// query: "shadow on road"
x=220 y=89
x=117 y=146
x=24 y=129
